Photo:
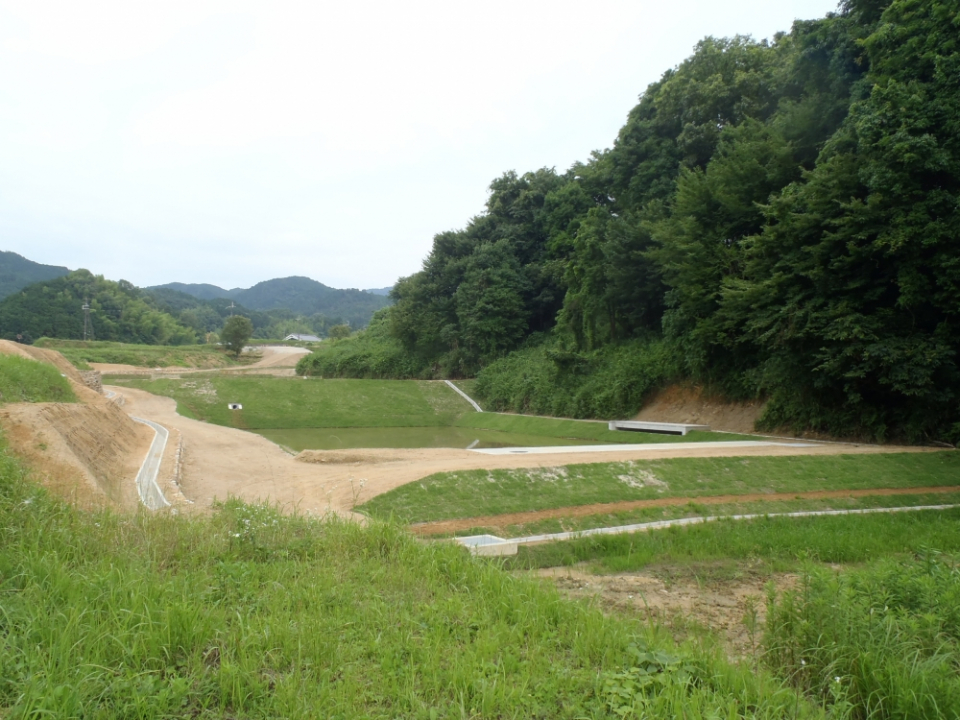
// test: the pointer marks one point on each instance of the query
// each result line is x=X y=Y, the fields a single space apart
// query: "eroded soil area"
x=728 y=600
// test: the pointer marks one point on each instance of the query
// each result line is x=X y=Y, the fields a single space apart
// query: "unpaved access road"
x=273 y=358
x=220 y=462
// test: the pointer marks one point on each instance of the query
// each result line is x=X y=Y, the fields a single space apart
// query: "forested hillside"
x=16 y=272
x=301 y=296
x=119 y=312
x=777 y=219
x=208 y=316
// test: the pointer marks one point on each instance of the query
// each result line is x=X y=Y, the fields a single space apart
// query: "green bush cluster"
x=371 y=354
x=605 y=383
x=883 y=641
x=24 y=380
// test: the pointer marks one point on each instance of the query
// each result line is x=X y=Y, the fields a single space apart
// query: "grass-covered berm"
x=249 y=613
x=83 y=352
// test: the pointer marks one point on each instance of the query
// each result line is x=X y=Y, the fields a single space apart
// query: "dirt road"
x=273 y=357
x=220 y=462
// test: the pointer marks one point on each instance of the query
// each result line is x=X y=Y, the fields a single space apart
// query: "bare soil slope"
x=690 y=404
x=733 y=607
x=89 y=451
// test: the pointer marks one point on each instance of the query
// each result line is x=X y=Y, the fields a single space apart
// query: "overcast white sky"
x=233 y=142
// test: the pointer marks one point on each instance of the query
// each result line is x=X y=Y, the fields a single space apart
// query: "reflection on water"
x=408 y=437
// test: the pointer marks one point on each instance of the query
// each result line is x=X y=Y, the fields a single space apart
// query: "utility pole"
x=87 y=327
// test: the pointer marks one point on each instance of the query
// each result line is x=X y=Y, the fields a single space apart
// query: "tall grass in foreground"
x=249 y=613
x=884 y=640
x=25 y=380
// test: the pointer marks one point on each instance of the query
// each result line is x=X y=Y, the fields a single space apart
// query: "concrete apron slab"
x=655 y=427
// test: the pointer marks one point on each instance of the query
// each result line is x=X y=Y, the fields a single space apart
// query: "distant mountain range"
x=299 y=295
x=16 y=272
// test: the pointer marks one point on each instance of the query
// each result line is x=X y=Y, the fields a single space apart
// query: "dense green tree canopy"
x=118 y=312
x=783 y=216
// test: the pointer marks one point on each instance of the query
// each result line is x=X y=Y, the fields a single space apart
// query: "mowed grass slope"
x=475 y=493
x=592 y=430
x=271 y=402
x=252 y=614
x=373 y=413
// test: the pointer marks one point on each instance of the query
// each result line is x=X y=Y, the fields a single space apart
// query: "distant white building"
x=302 y=338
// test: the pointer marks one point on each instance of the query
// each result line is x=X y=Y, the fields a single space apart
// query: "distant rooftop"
x=303 y=338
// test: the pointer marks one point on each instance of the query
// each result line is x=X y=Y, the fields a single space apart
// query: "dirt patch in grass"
x=496 y=522
x=729 y=600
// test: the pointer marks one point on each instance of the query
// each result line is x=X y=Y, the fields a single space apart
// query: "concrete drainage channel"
x=150 y=494
x=491 y=545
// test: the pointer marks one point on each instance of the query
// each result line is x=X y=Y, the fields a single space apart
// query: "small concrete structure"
x=234 y=406
x=655 y=427
x=299 y=337
x=488 y=545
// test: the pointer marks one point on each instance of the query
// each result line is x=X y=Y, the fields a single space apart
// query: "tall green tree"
x=237 y=331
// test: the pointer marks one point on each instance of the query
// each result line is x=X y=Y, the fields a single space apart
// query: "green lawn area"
x=474 y=493
x=594 y=430
x=323 y=414
x=80 y=353
x=274 y=403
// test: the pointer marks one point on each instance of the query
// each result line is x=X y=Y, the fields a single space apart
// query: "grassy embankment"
x=478 y=493
x=24 y=380
x=298 y=413
x=249 y=613
x=81 y=353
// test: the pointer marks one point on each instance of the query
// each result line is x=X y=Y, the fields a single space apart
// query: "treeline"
x=297 y=297
x=121 y=312
x=205 y=316
x=781 y=216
